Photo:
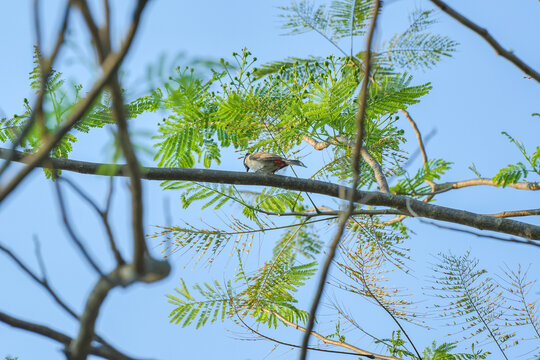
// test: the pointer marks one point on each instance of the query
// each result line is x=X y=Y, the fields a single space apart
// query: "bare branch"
x=373 y=198
x=102 y=351
x=71 y=231
x=124 y=275
x=93 y=28
x=491 y=41
x=102 y=214
x=289 y=344
x=418 y=135
x=355 y=164
x=358 y=351
x=368 y=158
x=45 y=284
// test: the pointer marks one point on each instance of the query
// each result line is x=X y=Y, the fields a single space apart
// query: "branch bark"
x=490 y=40
x=101 y=351
x=360 y=352
x=374 y=198
x=368 y=158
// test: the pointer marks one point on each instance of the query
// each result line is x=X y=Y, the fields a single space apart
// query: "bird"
x=267 y=163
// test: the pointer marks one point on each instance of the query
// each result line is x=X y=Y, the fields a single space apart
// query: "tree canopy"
x=349 y=117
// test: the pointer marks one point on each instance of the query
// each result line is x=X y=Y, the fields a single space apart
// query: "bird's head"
x=245 y=164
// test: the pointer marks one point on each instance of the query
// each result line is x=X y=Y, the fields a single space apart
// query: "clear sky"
x=475 y=96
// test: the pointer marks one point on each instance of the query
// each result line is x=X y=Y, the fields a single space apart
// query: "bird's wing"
x=262 y=156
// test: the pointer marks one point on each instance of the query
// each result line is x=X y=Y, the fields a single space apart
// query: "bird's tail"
x=295 y=162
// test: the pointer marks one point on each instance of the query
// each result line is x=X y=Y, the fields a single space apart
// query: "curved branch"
x=491 y=41
x=101 y=351
x=368 y=158
x=345 y=345
x=374 y=198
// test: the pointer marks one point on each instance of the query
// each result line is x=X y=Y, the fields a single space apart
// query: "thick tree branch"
x=374 y=198
x=124 y=275
x=45 y=284
x=101 y=351
x=491 y=41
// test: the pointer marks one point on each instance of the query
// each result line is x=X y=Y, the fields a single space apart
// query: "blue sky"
x=475 y=96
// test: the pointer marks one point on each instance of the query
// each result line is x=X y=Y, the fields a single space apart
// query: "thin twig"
x=509 y=55
x=355 y=164
x=71 y=231
x=102 y=214
x=493 y=237
x=358 y=351
x=45 y=284
x=516 y=213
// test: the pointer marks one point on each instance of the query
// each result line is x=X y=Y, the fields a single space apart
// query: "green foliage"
x=267 y=295
x=415 y=48
x=432 y=170
x=396 y=345
x=442 y=352
x=342 y=18
x=215 y=306
x=512 y=173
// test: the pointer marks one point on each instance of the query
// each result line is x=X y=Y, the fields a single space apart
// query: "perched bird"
x=267 y=163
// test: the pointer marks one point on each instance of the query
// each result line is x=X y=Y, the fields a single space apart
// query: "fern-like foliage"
x=470 y=299
x=443 y=352
x=342 y=18
x=216 y=305
x=266 y=295
x=432 y=170
x=512 y=173
x=416 y=48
